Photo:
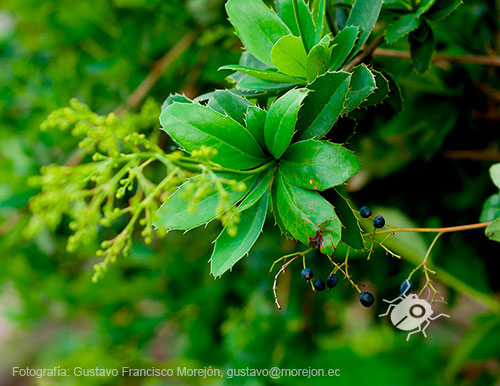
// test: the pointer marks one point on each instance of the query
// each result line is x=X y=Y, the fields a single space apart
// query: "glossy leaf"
x=250 y=86
x=493 y=230
x=287 y=13
x=267 y=74
x=307 y=215
x=229 y=250
x=344 y=43
x=260 y=187
x=351 y=231
x=230 y=104
x=403 y=26
x=491 y=209
x=361 y=87
x=364 y=14
x=194 y=125
x=277 y=218
x=422 y=46
x=255 y=122
x=442 y=8
x=175 y=98
x=495 y=174
x=381 y=92
x=176 y=213
x=258 y=26
x=323 y=105
x=318 y=61
x=318 y=165
x=319 y=20
x=289 y=56
x=281 y=120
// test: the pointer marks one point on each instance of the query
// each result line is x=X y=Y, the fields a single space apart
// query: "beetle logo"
x=411 y=313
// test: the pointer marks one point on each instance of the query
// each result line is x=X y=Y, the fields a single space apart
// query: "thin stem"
x=433 y=230
x=367 y=51
x=275 y=284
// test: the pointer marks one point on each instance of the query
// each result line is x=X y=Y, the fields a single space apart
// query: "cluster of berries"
x=365 y=298
x=378 y=221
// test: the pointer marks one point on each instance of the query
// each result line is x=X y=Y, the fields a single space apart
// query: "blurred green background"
x=427 y=166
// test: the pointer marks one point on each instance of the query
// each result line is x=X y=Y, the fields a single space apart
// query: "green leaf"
x=493 y=230
x=287 y=13
x=232 y=105
x=318 y=165
x=491 y=209
x=281 y=120
x=267 y=74
x=258 y=26
x=261 y=187
x=255 y=122
x=422 y=46
x=175 y=98
x=344 y=43
x=253 y=87
x=319 y=20
x=277 y=218
x=323 y=105
x=307 y=215
x=403 y=26
x=177 y=213
x=381 y=92
x=495 y=174
x=194 y=125
x=364 y=14
x=424 y=6
x=351 y=231
x=361 y=87
x=289 y=56
x=395 y=99
x=442 y=8
x=318 y=61
x=229 y=250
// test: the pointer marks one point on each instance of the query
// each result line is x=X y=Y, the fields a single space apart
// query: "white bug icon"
x=411 y=313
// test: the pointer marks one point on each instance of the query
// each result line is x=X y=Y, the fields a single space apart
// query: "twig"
x=466 y=59
x=433 y=230
x=473 y=155
x=367 y=51
x=275 y=284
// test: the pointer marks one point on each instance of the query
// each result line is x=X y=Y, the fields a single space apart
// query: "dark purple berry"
x=405 y=287
x=378 y=222
x=319 y=285
x=332 y=281
x=307 y=274
x=365 y=212
x=366 y=299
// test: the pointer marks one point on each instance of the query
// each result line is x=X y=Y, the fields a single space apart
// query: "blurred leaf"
x=402 y=27
x=422 y=46
x=491 y=209
x=493 y=230
x=442 y=8
x=495 y=174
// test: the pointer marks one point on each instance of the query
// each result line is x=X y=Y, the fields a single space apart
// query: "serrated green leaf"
x=267 y=74
x=395 y=99
x=344 y=43
x=442 y=8
x=351 y=231
x=175 y=98
x=194 y=125
x=229 y=250
x=424 y=6
x=422 y=46
x=318 y=61
x=230 y=104
x=255 y=122
x=493 y=230
x=361 y=87
x=281 y=120
x=319 y=20
x=260 y=187
x=258 y=26
x=277 y=217
x=364 y=14
x=495 y=174
x=287 y=13
x=254 y=87
x=307 y=215
x=381 y=92
x=491 y=209
x=175 y=214
x=318 y=165
x=323 y=105
x=289 y=56
x=401 y=27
